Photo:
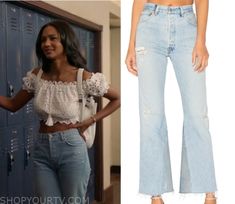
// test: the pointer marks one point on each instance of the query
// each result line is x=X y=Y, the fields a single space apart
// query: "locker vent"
x=30 y=138
x=14 y=144
x=29 y=28
x=29 y=108
x=13 y=23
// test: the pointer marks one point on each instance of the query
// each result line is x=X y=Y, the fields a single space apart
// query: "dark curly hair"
x=68 y=40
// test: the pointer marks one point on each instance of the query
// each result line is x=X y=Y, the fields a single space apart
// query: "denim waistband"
x=168 y=9
x=57 y=135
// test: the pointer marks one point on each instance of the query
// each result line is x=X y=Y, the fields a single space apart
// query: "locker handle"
x=13 y=9
x=10 y=161
x=10 y=90
x=26 y=157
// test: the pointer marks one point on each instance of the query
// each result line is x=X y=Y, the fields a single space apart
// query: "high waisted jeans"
x=170 y=32
x=62 y=167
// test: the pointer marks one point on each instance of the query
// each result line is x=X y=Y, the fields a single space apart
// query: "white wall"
x=115 y=76
x=97 y=12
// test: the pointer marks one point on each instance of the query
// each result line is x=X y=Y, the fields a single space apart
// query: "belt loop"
x=50 y=136
x=181 y=12
x=155 y=10
x=62 y=137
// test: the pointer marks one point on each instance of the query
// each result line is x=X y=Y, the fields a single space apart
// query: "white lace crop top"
x=57 y=101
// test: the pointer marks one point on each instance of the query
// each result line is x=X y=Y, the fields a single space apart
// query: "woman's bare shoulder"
x=36 y=70
x=86 y=75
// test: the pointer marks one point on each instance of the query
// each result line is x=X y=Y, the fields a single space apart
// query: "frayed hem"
x=198 y=192
x=176 y=197
x=147 y=194
x=199 y=195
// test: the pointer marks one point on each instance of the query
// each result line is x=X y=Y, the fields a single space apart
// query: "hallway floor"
x=116 y=182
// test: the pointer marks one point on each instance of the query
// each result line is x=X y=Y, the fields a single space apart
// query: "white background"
x=221 y=110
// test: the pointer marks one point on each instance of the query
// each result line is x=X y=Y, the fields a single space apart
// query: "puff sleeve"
x=96 y=85
x=29 y=82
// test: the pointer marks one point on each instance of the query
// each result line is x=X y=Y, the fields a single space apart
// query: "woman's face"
x=51 y=43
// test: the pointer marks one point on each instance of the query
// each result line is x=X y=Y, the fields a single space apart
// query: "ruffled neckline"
x=49 y=82
x=66 y=83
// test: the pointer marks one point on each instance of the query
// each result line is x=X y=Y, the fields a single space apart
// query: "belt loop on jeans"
x=155 y=9
x=62 y=137
x=181 y=11
x=50 y=136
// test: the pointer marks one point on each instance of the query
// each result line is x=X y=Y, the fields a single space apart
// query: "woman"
x=163 y=29
x=61 y=160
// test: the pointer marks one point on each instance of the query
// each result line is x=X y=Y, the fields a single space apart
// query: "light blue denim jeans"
x=170 y=32
x=61 y=167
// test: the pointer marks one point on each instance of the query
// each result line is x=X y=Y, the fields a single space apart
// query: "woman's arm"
x=200 y=53
x=114 y=104
x=17 y=102
x=130 y=58
x=20 y=99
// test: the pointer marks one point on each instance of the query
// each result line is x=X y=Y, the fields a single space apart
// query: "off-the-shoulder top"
x=57 y=101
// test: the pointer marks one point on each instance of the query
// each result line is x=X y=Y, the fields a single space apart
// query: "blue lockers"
x=3 y=163
x=2 y=64
x=29 y=60
x=3 y=120
x=13 y=56
x=18 y=31
x=42 y=20
x=29 y=138
x=15 y=157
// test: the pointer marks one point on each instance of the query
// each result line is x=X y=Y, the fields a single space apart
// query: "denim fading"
x=61 y=167
x=169 y=32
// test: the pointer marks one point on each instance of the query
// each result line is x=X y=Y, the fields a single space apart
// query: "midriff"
x=171 y=2
x=56 y=127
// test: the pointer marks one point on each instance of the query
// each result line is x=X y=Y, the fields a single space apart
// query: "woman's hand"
x=131 y=62
x=114 y=103
x=200 y=57
x=82 y=126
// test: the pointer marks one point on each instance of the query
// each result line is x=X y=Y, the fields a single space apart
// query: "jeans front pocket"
x=146 y=15
x=190 y=19
x=73 y=139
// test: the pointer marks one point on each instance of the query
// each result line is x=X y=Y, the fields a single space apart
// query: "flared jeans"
x=169 y=33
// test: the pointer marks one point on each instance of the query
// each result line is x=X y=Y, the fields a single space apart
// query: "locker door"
x=29 y=60
x=42 y=20
x=15 y=161
x=29 y=137
x=3 y=163
x=2 y=62
x=13 y=57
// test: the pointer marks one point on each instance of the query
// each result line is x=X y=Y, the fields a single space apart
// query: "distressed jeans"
x=61 y=168
x=169 y=32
